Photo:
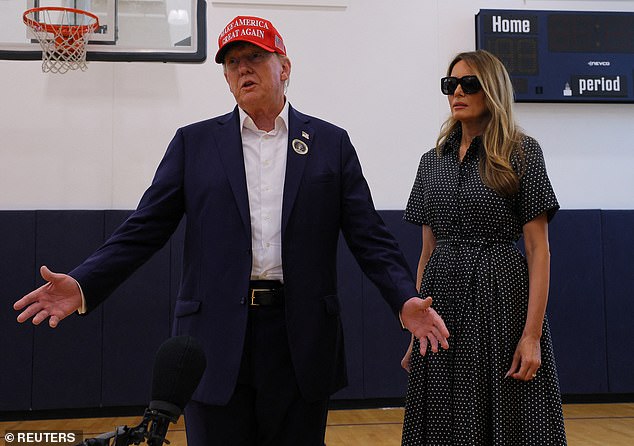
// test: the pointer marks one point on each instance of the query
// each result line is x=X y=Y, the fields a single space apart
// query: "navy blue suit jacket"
x=202 y=176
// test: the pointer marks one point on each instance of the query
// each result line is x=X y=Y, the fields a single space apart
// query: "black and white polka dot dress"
x=478 y=279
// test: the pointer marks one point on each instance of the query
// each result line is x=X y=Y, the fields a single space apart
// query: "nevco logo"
x=599 y=63
x=500 y=24
x=600 y=86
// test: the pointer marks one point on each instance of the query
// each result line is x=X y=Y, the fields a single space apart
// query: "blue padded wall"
x=17 y=267
x=618 y=271
x=67 y=361
x=576 y=302
x=385 y=342
x=136 y=320
x=106 y=358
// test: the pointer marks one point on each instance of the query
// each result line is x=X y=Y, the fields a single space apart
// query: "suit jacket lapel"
x=299 y=130
x=230 y=147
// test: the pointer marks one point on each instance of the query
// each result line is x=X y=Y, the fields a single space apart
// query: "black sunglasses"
x=469 y=84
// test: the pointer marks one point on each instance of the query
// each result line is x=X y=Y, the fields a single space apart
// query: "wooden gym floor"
x=586 y=425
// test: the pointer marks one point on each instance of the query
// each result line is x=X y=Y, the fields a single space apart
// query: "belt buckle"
x=253 y=291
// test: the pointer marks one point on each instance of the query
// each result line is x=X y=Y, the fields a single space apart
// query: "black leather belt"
x=266 y=293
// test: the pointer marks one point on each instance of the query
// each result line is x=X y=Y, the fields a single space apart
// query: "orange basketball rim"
x=63 y=34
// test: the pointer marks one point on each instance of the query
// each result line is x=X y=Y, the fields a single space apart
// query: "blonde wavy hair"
x=502 y=137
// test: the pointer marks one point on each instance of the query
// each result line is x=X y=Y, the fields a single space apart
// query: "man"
x=266 y=191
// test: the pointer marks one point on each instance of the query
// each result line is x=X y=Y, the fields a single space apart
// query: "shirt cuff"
x=83 y=309
x=403 y=327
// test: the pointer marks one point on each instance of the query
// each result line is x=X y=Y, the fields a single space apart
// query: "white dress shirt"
x=265 y=168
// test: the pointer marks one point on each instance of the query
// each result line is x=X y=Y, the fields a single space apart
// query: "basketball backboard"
x=129 y=30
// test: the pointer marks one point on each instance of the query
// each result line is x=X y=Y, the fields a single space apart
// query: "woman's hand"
x=526 y=360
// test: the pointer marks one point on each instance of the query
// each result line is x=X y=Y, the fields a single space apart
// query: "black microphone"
x=178 y=366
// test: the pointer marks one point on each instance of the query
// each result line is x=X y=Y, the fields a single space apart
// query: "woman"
x=483 y=187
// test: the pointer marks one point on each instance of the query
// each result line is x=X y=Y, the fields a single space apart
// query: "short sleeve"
x=536 y=194
x=414 y=212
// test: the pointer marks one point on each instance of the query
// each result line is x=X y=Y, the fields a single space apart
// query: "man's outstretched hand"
x=55 y=300
x=424 y=323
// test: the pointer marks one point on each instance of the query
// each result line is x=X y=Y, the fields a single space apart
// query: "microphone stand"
x=152 y=429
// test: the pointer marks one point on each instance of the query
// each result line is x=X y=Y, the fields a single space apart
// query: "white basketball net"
x=63 y=43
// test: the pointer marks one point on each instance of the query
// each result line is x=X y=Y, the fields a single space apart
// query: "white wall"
x=92 y=140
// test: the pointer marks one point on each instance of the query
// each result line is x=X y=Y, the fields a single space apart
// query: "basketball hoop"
x=63 y=34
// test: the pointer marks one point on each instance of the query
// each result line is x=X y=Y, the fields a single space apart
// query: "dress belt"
x=474 y=242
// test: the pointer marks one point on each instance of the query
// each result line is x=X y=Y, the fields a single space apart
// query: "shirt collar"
x=452 y=143
x=281 y=122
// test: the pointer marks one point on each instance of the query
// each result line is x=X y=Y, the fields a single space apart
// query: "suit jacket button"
x=243 y=301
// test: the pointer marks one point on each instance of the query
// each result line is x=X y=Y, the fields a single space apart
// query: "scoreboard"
x=562 y=56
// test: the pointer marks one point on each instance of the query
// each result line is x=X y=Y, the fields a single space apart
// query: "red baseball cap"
x=250 y=29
